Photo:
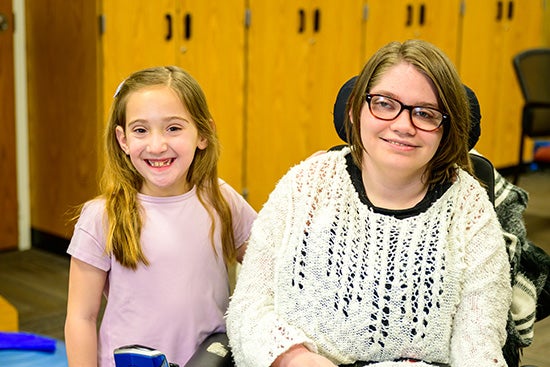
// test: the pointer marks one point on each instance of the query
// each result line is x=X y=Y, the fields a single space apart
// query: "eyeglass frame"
x=410 y=108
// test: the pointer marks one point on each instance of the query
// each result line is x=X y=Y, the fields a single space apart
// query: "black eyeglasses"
x=423 y=118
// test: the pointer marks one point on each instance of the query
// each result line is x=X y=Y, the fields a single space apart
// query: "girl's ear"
x=202 y=143
x=350 y=117
x=121 y=138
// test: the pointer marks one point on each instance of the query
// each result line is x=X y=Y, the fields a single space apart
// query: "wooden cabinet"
x=75 y=66
x=205 y=38
x=8 y=175
x=62 y=110
x=298 y=55
x=435 y=21
x=493 y=32
x=270 y=70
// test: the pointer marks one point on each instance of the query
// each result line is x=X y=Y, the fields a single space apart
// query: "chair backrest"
x=485 y=173
x=532 y=69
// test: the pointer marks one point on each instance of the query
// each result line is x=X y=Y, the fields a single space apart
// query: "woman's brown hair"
x=432 y=62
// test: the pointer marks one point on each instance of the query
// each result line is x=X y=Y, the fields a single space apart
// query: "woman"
x=384 y=253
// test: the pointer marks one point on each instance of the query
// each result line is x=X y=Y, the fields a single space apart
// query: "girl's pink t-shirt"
x=181 y=297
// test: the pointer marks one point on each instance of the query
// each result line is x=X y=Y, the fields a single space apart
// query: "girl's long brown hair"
x=121 y=182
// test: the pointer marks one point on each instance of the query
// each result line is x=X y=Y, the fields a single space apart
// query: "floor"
x=537 y=221
x=35 y=281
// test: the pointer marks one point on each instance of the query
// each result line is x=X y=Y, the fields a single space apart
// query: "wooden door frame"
x=21 y=122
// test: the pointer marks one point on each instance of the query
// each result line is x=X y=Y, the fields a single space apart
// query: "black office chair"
x=532 y=69
x=213 y=352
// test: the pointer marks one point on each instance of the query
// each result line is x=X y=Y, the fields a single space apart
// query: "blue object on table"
x=26 y=341
x=33 y=358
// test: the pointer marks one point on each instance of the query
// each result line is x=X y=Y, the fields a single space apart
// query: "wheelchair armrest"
x=213 y=352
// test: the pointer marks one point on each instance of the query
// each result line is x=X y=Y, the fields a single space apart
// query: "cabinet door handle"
x=301 y=20
x=510 y=10
x=422 y=14
x=168 y=18
x=499 y=11
x=4 y=25
x=409 y=20
x=187 y=26
x=316 y=20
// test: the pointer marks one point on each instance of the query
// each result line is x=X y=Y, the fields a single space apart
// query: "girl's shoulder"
x=234 y=198
x=94 y=206
x=228 y=192
x=92 y=211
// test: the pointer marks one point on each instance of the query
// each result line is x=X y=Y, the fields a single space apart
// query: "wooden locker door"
x=521 y=29
x=438 y=22
x=546 y=23
x=210 y=46
x=390 y=20
x=62 y=110
x=398 y=20
x=8 y=182
x=335 y=56
x=478 y=62
x=491 y=36
x=136 y=34
x=277 y=114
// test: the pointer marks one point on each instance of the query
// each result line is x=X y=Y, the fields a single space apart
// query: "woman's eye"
x=385 y=104
x=139 y=130
x=424 y=114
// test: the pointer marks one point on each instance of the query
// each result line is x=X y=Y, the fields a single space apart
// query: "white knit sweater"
x=324 y=269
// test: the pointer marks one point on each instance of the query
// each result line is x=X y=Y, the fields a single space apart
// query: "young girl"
x=158 y=239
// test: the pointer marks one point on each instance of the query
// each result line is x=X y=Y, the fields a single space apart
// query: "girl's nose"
x=157 y=143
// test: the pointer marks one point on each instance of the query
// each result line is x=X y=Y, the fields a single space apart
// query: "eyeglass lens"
x=386 y=108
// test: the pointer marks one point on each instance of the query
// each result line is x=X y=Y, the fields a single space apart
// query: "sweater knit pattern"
x=356 y=285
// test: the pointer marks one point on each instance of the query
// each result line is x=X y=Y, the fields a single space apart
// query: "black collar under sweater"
x=432 y=195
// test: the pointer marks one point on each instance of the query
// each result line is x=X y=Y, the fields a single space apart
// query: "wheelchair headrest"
x=339 y=112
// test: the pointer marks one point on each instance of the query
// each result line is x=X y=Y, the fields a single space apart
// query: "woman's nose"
x=403 y=123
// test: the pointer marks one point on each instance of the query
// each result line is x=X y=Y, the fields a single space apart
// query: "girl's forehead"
x=155 y=103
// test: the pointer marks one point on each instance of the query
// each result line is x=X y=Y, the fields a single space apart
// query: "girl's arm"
x=240 y=252
x=86 y=284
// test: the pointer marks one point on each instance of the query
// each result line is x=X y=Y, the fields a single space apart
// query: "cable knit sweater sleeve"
x=257 y=335
x=479 y=327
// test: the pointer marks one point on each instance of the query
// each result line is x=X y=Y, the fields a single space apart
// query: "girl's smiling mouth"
x=159 y=162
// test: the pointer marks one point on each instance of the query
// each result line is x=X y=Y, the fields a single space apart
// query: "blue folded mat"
x=26 y=341
x=34 y=358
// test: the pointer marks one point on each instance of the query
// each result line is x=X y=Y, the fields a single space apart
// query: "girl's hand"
x=300 y=356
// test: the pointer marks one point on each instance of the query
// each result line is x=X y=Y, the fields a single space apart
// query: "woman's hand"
x=300 y=356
